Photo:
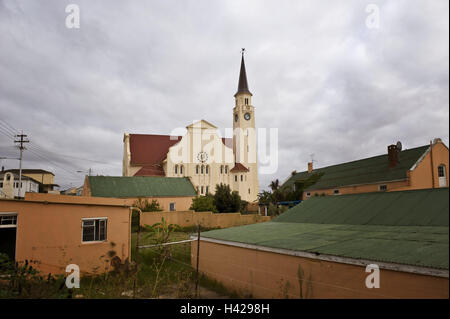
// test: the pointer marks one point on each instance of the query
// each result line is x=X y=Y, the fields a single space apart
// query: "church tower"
x=244 y=140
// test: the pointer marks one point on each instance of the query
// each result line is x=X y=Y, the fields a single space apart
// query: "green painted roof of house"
x=409 y=228
x=364 y=171
x=140 y=186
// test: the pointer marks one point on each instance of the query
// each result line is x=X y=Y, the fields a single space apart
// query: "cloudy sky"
x=333 y=86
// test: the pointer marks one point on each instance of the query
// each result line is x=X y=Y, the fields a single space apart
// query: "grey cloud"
x=330 y=85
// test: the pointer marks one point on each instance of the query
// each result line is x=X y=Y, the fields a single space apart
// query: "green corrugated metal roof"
x=364 y=171
x=425 y=207
x=408 y=228
x=140 y=186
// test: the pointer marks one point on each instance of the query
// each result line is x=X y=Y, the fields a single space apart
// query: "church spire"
x=243 y=85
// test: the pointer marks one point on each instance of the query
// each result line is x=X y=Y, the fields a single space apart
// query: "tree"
x=203 y=204
x=145 y=206
x=225 y=200
x=274 y=185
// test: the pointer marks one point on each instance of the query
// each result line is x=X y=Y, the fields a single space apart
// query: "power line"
x=10 y=127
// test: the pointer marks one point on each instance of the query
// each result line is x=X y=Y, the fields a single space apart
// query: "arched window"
x=226 y=169
x=176 y=169
x=207 y=169
x=221 y=169
x=181 y=169
x=201 y=171
x=242 y=178
x=196 y=169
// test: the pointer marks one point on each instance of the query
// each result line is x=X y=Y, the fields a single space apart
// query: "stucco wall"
x=272 y=275
x=368 y=188
x=206 y=219
x=51 y=233
x=181 y=203
x=420 y=177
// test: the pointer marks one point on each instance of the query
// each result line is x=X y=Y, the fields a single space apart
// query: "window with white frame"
x=172 y=207
x=8 y=220
x=94 y=229
x=336 y=192
x=308 y=194
x=382 y=188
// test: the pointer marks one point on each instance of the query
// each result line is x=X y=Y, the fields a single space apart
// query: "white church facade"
x=201 y=154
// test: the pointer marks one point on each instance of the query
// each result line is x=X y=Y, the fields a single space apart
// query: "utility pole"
x=21 y=147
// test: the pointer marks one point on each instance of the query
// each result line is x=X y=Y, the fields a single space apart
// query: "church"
x=201 y=154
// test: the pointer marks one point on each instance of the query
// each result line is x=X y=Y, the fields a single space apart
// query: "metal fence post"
x=198 y=258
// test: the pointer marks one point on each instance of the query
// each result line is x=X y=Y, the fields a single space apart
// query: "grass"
x=163 y=273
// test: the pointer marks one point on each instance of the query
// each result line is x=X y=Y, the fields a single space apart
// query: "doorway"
x=442 y=175
x=8 y=230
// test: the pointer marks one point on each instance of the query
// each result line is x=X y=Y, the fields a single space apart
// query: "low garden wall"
x=205 y=219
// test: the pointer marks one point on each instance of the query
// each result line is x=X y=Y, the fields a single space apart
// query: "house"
x=202 y=154
x=10 y=184
x=71 y=230
x=321 y=248
x=45 y=178
x=172 y=193
x=415 y=168
x=73 y=191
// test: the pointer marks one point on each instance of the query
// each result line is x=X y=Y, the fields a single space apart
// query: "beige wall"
x=271 y=275
x=42 y=178
x=206 y=219
x=181 y=203
x=50 y=232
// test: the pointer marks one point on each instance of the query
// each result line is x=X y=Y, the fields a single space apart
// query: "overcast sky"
x=332 y=86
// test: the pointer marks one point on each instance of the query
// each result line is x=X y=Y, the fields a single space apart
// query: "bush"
x=145 y=206
x=225 y=200
x=203 y=204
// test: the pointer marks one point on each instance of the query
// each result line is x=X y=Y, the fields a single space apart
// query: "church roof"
x=238 y=167
x=149 y=151
x=243 y=85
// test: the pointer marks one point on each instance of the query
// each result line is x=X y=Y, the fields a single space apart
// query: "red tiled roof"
x=238 y=167
x=149 y=150
x=150 y=171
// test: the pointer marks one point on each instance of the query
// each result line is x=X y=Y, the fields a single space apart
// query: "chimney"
x=392 y=155
x=310 y=167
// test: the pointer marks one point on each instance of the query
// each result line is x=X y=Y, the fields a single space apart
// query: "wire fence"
x=193 y=265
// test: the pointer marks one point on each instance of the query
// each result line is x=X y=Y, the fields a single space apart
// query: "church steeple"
x=243 y=85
